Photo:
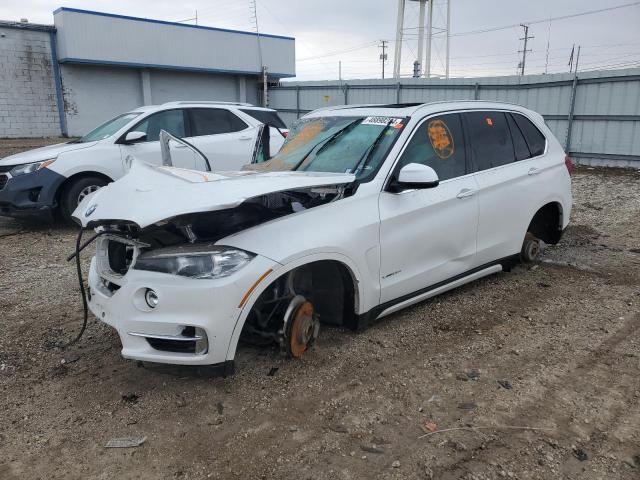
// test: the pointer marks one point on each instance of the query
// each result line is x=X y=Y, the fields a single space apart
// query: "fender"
x=284 y=269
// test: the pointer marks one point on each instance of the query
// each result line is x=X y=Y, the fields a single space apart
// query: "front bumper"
x=210 y=305
x=30 y=195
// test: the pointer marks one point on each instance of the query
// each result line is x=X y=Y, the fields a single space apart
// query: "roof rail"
x=208 y=102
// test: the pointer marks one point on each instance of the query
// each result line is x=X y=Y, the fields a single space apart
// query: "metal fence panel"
x=602 y=114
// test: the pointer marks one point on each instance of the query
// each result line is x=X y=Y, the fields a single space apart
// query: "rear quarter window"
x=268 y=118
x=534 y=138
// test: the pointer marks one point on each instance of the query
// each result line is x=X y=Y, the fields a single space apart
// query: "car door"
x=226 y=140
x=148 y=149
x=428 y=236
x=507 y=182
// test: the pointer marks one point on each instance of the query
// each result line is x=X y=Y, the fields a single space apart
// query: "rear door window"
x=170 y=120
x=490 y=139
x=519 y=143
x=264 y=116
x=214 y=121
x=535 y=139
x=438 y=143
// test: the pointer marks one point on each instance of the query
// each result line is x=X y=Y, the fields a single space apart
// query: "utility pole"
x=524 y=51
x=383 y=55
x=423 y=5
x=340 y=70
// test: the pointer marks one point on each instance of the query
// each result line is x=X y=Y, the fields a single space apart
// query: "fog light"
x=151 y=298
x=202 y=344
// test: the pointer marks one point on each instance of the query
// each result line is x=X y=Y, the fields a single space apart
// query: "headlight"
x=30 y=167
x=194 y=261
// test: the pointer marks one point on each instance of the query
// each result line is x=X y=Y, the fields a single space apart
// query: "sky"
x=328 y=32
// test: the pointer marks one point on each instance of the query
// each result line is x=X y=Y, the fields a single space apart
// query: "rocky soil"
x=531 y=374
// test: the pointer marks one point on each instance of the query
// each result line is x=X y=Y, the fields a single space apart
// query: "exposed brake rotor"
x=300 y=327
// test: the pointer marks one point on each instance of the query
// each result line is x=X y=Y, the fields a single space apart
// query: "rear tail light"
x=569 y=164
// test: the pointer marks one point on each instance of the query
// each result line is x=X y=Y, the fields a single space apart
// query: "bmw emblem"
x=91 y=209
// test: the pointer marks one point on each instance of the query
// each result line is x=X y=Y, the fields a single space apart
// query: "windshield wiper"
x=367 y=153
x=326 y=141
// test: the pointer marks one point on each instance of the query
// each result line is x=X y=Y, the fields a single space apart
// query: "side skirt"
x=392 y=306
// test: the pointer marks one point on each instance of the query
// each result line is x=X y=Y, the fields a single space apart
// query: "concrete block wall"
x=28 y=105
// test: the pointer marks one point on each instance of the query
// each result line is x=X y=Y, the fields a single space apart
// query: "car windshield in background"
x=107 y=129
x=337 y=144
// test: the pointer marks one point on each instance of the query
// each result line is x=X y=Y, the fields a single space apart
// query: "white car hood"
x=149 y=194
x=43 y=153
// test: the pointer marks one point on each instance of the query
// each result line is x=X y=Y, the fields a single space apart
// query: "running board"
x=438 y=290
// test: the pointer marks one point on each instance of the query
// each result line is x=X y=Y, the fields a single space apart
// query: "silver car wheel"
x=86 y=191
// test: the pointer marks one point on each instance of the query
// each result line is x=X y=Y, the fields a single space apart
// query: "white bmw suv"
x=364 y=211
x=40 y=181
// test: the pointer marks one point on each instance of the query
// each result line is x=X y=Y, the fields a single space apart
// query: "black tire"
x=530 y=248
x=74 y=192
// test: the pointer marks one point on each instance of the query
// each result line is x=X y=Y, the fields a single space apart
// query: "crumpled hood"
x=43 y=153
x=149 y=194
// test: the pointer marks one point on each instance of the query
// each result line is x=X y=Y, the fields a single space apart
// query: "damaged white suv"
x=364 y=211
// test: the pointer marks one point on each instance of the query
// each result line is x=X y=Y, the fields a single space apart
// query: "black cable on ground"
x=83 y=293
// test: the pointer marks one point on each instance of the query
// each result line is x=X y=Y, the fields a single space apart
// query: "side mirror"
x=415 y=176
x=133 y=137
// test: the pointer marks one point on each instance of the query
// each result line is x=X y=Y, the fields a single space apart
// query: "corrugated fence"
x=595 y=115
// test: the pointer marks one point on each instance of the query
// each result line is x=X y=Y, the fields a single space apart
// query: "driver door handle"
x=245 y=137
x=533 y=171
x=466 y=192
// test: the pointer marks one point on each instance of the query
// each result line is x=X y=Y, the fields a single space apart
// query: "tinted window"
x=170 y=120
x=519 y=143
x=532 y=135
x=438 y=143
x=490 y=139
x=268 y=118
x=213 y=121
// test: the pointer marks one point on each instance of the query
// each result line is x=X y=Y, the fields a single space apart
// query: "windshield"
x=337 y=144
x=109 y=128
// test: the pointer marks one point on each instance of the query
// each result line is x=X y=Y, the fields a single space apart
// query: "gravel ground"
x=529 y=374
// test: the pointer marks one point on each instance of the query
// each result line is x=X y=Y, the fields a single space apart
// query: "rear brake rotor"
x=301 y=327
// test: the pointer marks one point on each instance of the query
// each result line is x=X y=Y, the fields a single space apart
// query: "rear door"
x=148 y=150
x=428 y=236
x=226 y=140
x=506 y=172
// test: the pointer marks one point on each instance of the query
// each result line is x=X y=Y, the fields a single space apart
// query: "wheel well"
x=547 y=223
x=328 y=284
x=69 y=181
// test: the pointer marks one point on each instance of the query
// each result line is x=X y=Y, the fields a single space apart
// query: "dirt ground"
x=532 y=374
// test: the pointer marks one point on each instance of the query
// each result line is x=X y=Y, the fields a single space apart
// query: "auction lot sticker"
x=440 y=138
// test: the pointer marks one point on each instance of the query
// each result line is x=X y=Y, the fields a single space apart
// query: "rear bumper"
x=30 y=195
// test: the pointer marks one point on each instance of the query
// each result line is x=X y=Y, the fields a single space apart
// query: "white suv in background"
x=364 y=211
x=41 y=180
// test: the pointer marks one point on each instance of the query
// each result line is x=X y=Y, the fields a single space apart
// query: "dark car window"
x=170 y=120
x=535 y=139
x=439 y=143
x=519 y=143
x=213 y=121
x=490 y=139
x=264 y=116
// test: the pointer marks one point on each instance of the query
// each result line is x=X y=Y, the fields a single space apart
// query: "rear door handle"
x=179 y=145
x=533 y=171
x=245 y=137
x=466 y=192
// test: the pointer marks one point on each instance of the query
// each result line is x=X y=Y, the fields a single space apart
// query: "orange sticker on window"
x=489 y=121
x=441 y=139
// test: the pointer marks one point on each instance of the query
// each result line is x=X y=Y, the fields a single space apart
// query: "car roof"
x=411 y=109
x=199 y=103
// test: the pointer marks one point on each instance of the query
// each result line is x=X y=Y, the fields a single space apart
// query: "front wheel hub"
x=301 y=327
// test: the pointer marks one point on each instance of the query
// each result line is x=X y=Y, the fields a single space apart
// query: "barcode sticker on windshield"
x=392 y=122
